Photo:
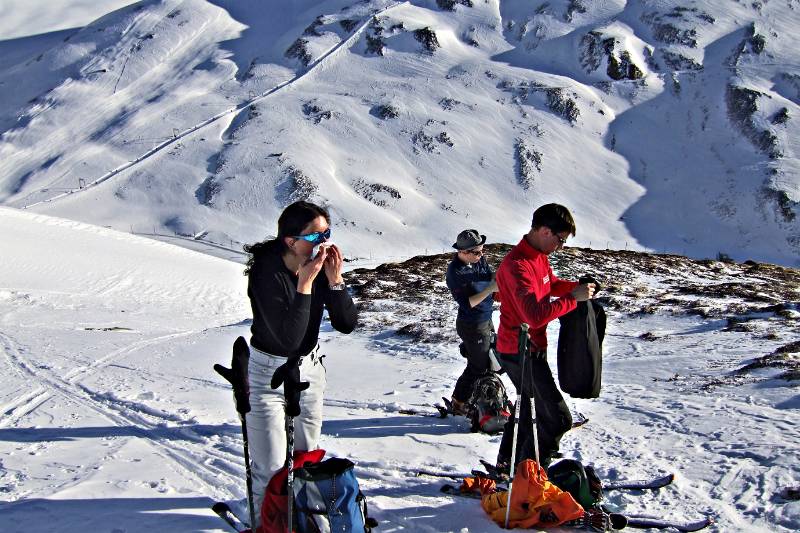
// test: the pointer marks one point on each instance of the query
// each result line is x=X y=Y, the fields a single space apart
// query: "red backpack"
x=274 y=510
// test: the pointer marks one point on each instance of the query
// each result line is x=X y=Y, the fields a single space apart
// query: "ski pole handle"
x=523 y=345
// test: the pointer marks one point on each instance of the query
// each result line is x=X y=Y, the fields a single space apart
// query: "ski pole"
x=290 y=468
x=523 y=353
x=237 y=377
x=250 y=503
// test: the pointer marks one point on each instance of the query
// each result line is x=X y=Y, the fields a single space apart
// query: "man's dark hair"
x=554 y=216
x=292 y=221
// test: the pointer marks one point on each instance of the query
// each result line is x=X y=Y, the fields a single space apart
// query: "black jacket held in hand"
x=580 y=350
x=285 y=322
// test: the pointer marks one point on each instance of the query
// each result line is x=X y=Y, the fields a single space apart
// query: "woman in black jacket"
x=291 y=279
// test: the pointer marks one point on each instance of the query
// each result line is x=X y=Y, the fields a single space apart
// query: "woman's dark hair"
x=292 y=222
x=554 y=216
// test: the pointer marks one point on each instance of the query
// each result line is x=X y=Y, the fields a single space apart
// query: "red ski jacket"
x=526 y=285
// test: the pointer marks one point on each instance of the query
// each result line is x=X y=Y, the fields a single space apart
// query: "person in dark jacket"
x=531 y=293
x=291 y=280
x=471 y=282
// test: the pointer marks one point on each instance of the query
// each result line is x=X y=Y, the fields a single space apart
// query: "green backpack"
x=580 y=481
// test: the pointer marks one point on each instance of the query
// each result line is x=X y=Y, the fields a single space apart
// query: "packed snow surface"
x=113 y=419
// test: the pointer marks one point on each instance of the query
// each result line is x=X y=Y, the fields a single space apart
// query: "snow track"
x=233 y=112
x=218 y=473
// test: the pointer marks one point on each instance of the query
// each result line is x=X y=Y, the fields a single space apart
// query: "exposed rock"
x=742 y=104
x=448 y=104
x=671 y=27
x=528 y=160
x=375 y=45
x=783 y=202
x=385 y=111
x=575 y=6
x=299 y=50
x=316 y=113
x=653 y=284
x=422 y=140
x=781 y=117
x=620 y=64
x=348 y=25
x=450 y=5
x=444 y=138
x=301 y=187
x=207 y=190
x=312 y=29
x=377 y=193
x=677 y=61
x=562 y=105
x=428 y=38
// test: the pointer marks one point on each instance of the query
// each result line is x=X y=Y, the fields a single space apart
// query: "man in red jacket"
x=529 y=292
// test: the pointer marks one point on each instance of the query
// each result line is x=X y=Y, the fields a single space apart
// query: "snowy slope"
x=112 y=418
x=666 y=126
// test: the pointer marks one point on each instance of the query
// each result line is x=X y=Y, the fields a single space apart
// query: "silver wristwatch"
x=337 y=287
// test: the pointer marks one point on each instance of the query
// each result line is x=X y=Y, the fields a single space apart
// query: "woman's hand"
x=333 y=265
x=308 y=272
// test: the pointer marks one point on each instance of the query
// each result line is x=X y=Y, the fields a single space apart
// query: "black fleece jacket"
x=285 y=322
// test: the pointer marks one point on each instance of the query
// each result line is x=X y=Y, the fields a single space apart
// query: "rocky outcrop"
x=528 y=163
x=428 y=39
x=377 y=193
x=742 y=104
x=597 y=48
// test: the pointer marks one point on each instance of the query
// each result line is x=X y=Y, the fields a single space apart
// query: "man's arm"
x=478 y=297
x=534 y=304
x=560 y=287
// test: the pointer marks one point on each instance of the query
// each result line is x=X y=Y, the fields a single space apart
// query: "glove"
x=588 y=278
x=288 y=375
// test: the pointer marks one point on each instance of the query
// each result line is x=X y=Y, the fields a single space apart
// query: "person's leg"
x=512 y=366
x=477 y=338
x=265 y=424
x=308 y=426
x=552 y=413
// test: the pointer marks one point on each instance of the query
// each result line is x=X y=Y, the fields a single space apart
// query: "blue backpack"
x=327 y=498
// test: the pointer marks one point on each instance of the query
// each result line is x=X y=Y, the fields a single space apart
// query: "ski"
x=640 y=484
x=454 y=491
x=646 y=522
x=224 y=511
x=442 y=412
x=436 y=473
x=617 y=520
x=623 y=484
x=581 y=421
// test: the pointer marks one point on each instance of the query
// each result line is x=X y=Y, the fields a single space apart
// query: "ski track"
x=213 y=466
x=319 y=64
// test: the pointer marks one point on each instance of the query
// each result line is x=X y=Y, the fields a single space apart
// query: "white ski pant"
x=266 y=420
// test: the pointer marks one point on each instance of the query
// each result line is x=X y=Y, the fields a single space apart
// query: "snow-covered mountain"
x=664 y=125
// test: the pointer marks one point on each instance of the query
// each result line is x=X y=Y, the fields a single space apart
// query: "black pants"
x=553 y=418
x=476 y=338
